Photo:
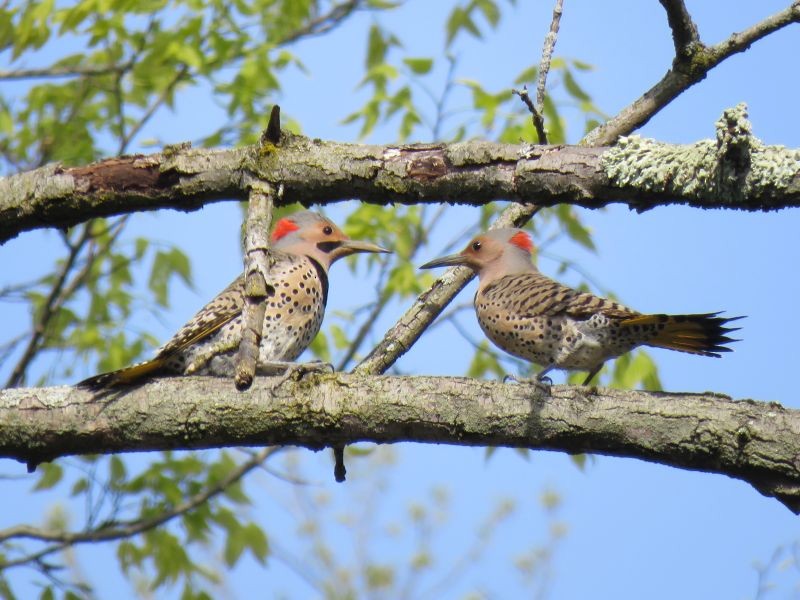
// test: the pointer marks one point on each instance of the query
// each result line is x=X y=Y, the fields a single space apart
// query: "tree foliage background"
x=92 y=79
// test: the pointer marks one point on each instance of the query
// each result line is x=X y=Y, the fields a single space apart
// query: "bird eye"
x=476 y=246
x=327 y=230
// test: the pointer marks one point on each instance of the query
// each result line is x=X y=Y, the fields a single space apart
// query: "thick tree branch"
x=753 y=441
x=641 y=173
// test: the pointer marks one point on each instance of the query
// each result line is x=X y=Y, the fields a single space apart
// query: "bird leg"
x=287 y=370
x=203 y=357
x=541 y=381
x=592 y=373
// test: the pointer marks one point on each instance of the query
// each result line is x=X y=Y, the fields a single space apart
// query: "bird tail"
x=704 y=334
x=122 y=377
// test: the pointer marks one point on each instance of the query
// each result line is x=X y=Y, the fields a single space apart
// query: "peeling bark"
x=756 y=442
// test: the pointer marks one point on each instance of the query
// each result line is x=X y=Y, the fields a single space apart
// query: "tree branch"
x=70 y=71
x=640 y=173
x=685 y=74
x=753 y=441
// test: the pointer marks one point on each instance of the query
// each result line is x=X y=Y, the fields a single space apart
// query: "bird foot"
x=542 y=382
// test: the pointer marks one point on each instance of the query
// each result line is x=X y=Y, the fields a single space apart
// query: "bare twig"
x=536 y=115
x=163 y=97
x=57 y=72
x=49 y=308
x=537 y=110
x=323 y=23
x=547 y=55
x=684 y=31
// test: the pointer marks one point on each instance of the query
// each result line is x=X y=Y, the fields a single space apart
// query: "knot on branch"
x=735 y=144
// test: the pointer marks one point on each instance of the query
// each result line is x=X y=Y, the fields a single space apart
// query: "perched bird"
x=533 y=317
x=304 y=245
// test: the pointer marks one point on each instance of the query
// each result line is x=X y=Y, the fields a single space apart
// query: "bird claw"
x=541 y=382
x=296 y=371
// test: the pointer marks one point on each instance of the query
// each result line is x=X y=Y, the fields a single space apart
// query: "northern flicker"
x=304 y=245
x=535 y=318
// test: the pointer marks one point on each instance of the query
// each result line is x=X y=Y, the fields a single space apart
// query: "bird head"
x=310 y=234
x=493 y=254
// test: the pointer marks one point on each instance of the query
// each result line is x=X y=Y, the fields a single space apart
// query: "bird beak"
x=447 y=261
x=352 y=246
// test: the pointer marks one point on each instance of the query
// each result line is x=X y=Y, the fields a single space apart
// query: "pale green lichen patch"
x=773 y=168
x=651 y=166
x=736 y=167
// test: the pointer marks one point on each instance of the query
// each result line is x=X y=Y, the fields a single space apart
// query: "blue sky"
x=634 y=529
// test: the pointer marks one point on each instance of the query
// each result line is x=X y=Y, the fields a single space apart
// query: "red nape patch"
x=522 y=240
x=283 y=227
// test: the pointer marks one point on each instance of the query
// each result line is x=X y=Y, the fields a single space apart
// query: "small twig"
x=323 y=23
x=536 y=116
x=547 y=54
x=155 y=106
x=684 y=31
x=339 y=470
x=55 y=72
x=537 y=110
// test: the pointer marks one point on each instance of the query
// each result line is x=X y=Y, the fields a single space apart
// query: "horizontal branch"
x=642 y=173
x=752 y=441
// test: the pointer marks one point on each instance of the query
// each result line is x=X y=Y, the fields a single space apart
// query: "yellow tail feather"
x=122 y=377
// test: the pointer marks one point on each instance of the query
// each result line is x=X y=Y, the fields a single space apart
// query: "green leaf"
x=379 y=576
x=420 y=66
x=376 y=47
x=567 y=216
x=165 y=265
x=256 y=540
x=485 y=361
x=234 y=544
x=579 y=460
x=80 y=486
x=51 y=475
x=574 y=89
x=459 y=20
x=489 y=10
x=117 y=470
x=528 y=75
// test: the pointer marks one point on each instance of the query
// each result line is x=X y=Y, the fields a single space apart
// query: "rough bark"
x=753 y=441
x=641 y=173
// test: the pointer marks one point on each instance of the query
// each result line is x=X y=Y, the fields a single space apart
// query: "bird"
x=303 y=247
x=535 y=318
